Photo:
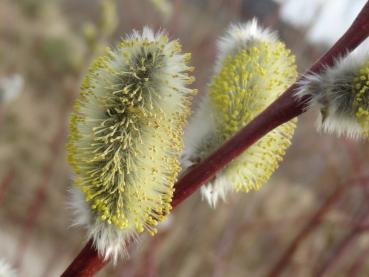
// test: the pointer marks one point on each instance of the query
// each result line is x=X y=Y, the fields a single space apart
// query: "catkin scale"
x=253 y=69
x=126 y=133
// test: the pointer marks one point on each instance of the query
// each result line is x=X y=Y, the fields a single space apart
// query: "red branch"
x=282 y=110
x=306 y=231
x=38 y=201
x=314 y=222
x=343 y=246
x=87 y=263
x=356 y=268
x=6 y=182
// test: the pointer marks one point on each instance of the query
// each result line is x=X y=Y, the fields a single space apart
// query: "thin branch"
x=344 y=245
x=87 y=263
x=282 y=110
x=313 y=223
x=39 y=198
x=356 y=268
x=6 y=182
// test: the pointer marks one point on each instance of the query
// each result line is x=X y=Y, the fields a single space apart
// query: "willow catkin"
x=341 y=92
x=126 y=138
x=253 y=69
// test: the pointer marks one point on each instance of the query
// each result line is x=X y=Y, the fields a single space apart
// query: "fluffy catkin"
x=126 y=138
x=252 y=70
x=341 y=92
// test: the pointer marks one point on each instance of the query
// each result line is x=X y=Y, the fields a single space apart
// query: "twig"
x=39 y=198
x=306 y=231
x=357 y=165
x=357 y=266
x=314 y=222
x=282 y=110
x=6 y=182
x=87 y=263
x=344 y=245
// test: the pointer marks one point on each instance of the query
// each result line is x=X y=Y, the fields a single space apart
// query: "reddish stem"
x=38 y=201
x=6 y=182
x=87 y=263
x=342 y=248
x=358 y=264
x=306 y=230
x=282 y=110
x=314 y=223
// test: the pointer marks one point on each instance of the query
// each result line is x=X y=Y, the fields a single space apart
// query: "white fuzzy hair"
x=240 y=36
x=328 y=92
x=202 y=127
x=6 y=270
x=201 y=130
x=216 y=189
x=110 y=241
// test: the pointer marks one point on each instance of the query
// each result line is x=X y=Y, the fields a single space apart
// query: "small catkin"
x=126 y=136
x=341 y=92
x=253 y=69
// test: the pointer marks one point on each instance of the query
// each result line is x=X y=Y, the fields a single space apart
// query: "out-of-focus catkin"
x=253 y=69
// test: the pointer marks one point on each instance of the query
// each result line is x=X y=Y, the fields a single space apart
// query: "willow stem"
x=285 y=108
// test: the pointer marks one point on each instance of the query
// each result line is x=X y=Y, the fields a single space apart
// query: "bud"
x=253 y=69
x=126 y=138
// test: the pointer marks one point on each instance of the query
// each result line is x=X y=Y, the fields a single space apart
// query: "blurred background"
x=310 y=219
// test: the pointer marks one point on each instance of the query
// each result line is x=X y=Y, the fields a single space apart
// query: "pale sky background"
x=324 y=20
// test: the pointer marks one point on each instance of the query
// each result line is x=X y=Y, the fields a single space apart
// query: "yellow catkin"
x=126 y=130
x=360 y=89
x=248 y=82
